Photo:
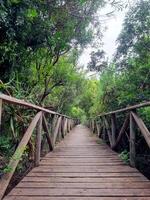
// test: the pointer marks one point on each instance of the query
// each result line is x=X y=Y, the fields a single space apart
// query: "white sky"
x=114 y=26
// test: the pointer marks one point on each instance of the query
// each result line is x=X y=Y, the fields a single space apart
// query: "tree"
x=98 y=61
x=134 y=39
x=27 y=26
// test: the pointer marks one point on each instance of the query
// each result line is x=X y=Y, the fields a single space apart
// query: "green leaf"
x=31 y=13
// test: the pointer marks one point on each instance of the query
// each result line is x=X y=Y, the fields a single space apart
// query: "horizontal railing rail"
x=105 y=125
x=129 y=108
x=60 y=126
x=19 y=102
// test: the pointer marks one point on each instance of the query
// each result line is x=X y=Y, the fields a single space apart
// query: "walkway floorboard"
x=82 y=167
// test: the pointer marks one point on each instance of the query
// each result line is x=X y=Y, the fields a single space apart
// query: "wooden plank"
x=113 y=128
x=129 y=180
x=68 y=125
x=83 y=156
x=62 y=127
x=81 y=164
x=132 y=141
x=93 y=125
x=98 y=129
x=72 y=198
x=54 y=122
x=81 y=192
x=17 y=155
x=59 y=136
x=56 y=130
x=65 y=126
x=83 y=174
x=80 y=169
x=85 y=185
x=38 y=142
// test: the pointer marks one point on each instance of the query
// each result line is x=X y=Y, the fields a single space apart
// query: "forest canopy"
x=41 y=42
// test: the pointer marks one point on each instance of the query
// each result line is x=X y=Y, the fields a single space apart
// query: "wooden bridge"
x=82 y=166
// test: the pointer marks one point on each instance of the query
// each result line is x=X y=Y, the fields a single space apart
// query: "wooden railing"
x=62 y=124
x=105 y=125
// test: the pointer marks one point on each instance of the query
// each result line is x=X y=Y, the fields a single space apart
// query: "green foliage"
x=5 y=144
x=134 y=40
x=78 y=113
x=31 y=14
x=126 y=81
x=124 y=155
x=28 y=27
x=7 y=169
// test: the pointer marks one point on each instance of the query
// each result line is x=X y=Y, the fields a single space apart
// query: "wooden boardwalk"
x=82 y=167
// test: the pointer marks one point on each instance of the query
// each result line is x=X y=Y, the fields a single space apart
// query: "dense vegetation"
x=41 y=42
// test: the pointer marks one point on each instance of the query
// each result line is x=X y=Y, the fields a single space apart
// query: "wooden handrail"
x=129 y=108
x=13 y=100
x=101 y=123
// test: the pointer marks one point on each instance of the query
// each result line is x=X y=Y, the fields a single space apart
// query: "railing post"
x=132 y=141
x=100 y=127
x=103 y=130
x=98 y=130
x=113 y=128
x=56 y=131
x=68 y=125
x=93 y=123
x=60 y=131
x=38 y=142
x=108 y=130
x=90 y=124
x=62 y=127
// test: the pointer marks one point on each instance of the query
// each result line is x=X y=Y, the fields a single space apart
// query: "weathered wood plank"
x=113 y=128
x=65 y=127
x=121 y=185
x=38 y=142
x=84 y=174
x=56 y=130
x=73 y=198
x=81 y=192
x=85 y=179
x=132 y=141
